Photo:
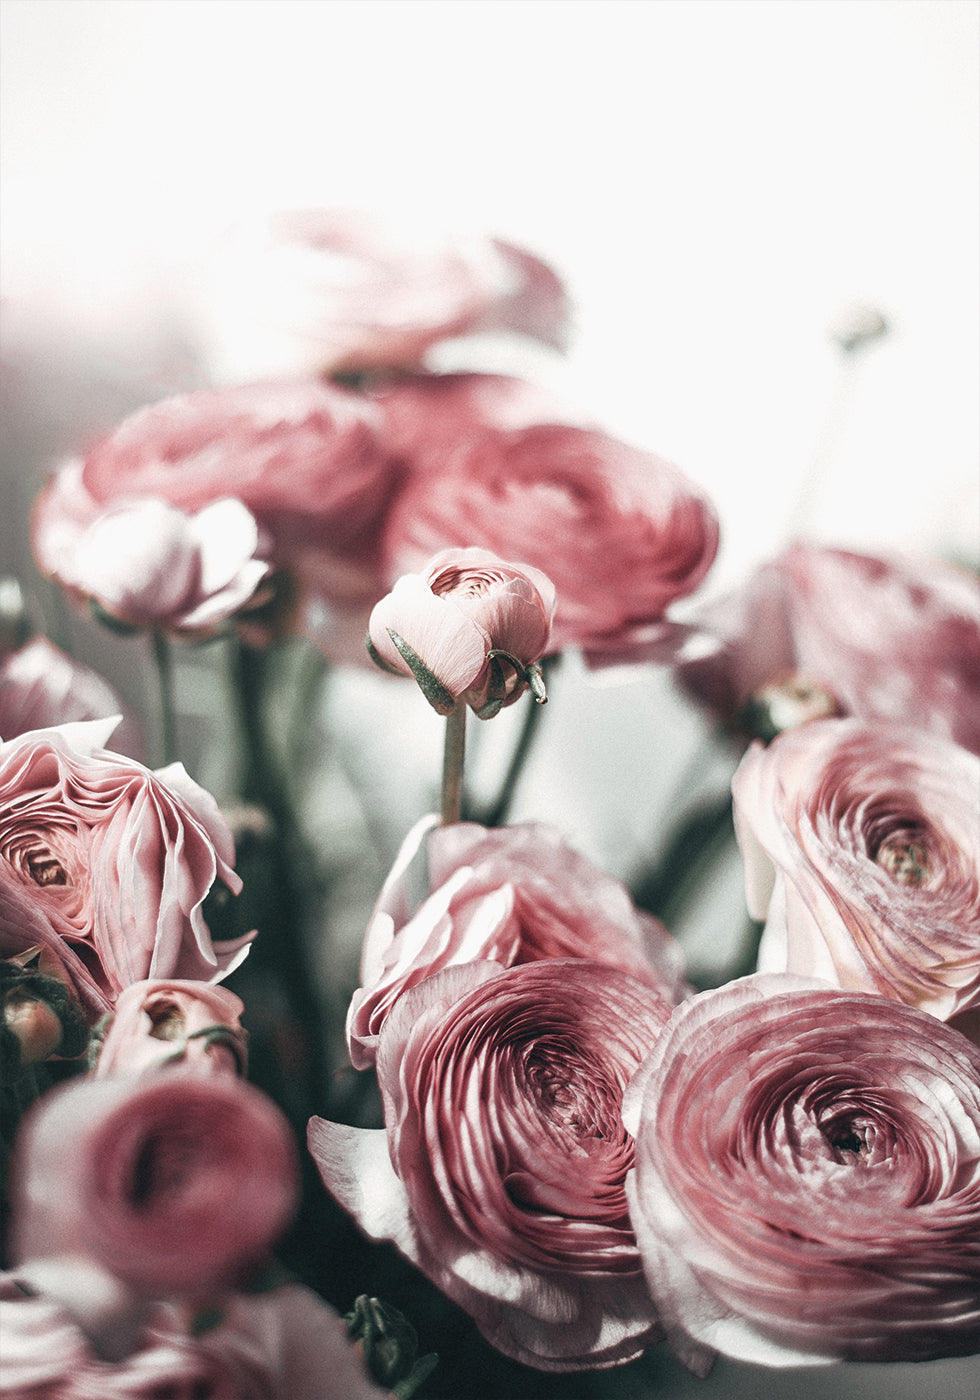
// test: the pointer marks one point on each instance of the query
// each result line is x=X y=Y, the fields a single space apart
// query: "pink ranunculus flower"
x=621 y=533
x=177 y=1185
x=861 y=853
x=807 y=1179
x=285 y=1344
x=306 y=459
x=164 y=1024
x=500 y=1173
x=337 y=291
x=475 y=622
x=145 y=563
x=513 y=894
x=105 y=865
x=885 y=638
x=41 y=686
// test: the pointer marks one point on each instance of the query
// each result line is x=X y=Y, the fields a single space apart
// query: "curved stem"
x=496 y=813
x=453 y=756
x=163 y=662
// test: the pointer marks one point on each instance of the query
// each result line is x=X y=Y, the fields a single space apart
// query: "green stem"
x=163 y=662
x=496 y=814
x=453 y=757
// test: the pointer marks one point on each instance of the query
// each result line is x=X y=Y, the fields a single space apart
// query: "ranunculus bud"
x=469 y=628
x=390 y=1346
x=164 y=1024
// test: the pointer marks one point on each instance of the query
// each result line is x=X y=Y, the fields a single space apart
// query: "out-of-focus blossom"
x=505 y=1179
x=861 y=851
x=885 y=638
x=145 y=563
x=336 y=291
x=175 y=1184
x=285 y=1344
x=621 y=533
x=41 y=686
x=304 y=457
x=514 y=894
x=474 y=622
x=105 y=866
x=158 y=1024
x=807 y=1181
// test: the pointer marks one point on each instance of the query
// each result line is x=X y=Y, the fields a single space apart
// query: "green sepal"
x=110 y=620
x=378 y=659
x=431 y=687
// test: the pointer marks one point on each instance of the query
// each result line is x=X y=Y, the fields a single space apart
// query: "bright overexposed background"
x=718 y=181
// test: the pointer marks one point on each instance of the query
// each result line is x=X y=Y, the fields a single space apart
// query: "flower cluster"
x=537 y=1108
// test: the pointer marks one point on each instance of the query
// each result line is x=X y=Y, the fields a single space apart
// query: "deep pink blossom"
x=175 y=1184
x=861 y=852
x=513 y=894
x=464 y=608
x=886 y=638
x=106 y=865
x=807 y=1180
x=620 y=532
x=340 y=291
x=161 y=1024
x=501 y=1169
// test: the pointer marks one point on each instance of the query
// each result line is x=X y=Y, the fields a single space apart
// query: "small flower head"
x=470 y=628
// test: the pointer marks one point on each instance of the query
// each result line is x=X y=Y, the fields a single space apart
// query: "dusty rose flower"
x=303 y=456
x=861 y=852
x=807 y=1181
x=337 y=291
x=620 y=532
x=282 y=1345
x=504 y=1183
x=475 y=622
x=159 y=1023
x=176 y=1184
x=515 y=894
x=41 y=686
x=106 y=865
x=884 y=638
x=145 y=563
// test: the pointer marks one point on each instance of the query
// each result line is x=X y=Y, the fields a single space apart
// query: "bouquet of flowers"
x=288 y=1102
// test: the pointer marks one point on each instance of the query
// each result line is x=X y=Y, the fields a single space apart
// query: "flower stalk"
x=453 y=757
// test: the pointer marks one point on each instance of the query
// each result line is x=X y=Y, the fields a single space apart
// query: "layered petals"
x=514 y=894
x=106 y=865
x=160 y=1023
x=41 y=686
x=861 y=853
x=807 y=1179
x=501 y=1170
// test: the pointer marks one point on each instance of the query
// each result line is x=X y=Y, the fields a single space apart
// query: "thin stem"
x=496 y=813
x=453 y=757
x=163 y=662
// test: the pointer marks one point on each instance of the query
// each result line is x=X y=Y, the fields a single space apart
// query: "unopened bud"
x=389 y=1343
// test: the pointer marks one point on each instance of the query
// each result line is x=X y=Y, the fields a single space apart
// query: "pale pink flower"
x=161 y=1024
x=304 y=457
x=338 y=291
x=500 y=1173
x=475 y=622
x=886 y=638
x=620 y=532
x=106 y=865
x=861 y=852
x=513 y=894
x=286 y=1344
x=145 y=563
x=176 y=1184
x=807 y=1179
x=41 y=686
